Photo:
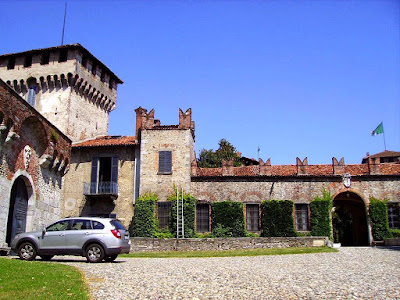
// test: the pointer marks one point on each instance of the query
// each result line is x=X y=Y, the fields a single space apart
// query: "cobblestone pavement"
x=352 y=273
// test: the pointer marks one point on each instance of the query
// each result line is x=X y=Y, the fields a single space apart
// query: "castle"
x=58 y=159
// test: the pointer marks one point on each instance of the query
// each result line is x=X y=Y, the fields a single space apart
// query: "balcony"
x=103 y=188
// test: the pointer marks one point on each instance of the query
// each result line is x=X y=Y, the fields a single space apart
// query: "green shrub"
x=321 y=215
x=227 y=219
x=189 y=212
x=144 y=222
x=163 y=234
x=277 y=218
x=395 y=232
x=379 y=219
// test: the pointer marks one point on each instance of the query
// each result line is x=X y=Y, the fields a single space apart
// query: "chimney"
x=374 y=166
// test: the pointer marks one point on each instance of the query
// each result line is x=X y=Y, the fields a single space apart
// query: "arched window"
x=31 y=98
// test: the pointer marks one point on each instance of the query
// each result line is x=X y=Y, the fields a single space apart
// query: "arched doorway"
x=18 y=210
x=349 y=220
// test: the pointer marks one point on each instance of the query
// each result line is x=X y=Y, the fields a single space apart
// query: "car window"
x=117 y=225
x=81 y=224
x=61 y=225
x=97 y=225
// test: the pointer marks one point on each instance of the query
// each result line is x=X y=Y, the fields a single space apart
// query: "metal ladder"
x=180 y=219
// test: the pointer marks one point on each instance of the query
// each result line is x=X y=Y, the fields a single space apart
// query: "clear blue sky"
x=296 y=78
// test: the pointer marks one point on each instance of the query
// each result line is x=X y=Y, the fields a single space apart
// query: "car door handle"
x=87 y=232
x=62 y=234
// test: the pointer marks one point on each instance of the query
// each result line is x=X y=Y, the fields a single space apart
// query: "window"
x=63 y=55
x=97 y=225
x=94 y=69
x=164 y=209
x=45 y=58
x=301 y=211
x=203 y=217
x=59 y=226
x=28 y=61
x=117 y=225
x=165 y=162
x=31 y=99
x=394 y=215
x=104 y=177
x=253 y=217
x=81 y=224
x=84 y=61
x=11 y=63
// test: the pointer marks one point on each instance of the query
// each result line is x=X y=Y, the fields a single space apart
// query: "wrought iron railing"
x=100 y=188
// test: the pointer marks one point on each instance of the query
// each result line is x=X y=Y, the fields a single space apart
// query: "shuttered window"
x=394 y=215
x=165 y=162
x=203 y=217
x=164 y=209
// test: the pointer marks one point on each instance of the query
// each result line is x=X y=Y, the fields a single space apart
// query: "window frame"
x=203 y=223
x=164 y=162
x=393 y=217
x=163 y=220
x=250 y=216
x=300 y=214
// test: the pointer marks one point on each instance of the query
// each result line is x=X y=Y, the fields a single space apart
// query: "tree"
x=213 y=159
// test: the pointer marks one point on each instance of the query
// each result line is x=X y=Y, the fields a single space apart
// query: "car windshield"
x=117 y=225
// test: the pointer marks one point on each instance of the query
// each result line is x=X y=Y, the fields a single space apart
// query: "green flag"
x=378 y=129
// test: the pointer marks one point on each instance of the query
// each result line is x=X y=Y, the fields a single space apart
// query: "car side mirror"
x=43 y=231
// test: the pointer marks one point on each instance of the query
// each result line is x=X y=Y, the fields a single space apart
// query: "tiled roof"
x=385 y=153
x=311 y=170
x=108 y=140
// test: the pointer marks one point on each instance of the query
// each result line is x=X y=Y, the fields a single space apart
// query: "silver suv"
x=95 y=238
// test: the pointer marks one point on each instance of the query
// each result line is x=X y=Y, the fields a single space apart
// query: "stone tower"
x=67 y=85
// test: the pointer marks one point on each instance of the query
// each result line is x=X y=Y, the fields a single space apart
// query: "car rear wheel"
x=27 y=251
x=110 y=258
x=46 y=257
x=94 y=253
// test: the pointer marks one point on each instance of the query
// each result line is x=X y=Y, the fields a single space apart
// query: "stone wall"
x=150 y=244
x=297 y=189
x=77 y=204
x=30 y=151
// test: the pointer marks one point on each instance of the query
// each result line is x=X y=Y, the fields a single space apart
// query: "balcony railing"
x=100 y=188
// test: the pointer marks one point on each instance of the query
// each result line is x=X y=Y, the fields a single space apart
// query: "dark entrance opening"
x=349 y=220
x=18 y=209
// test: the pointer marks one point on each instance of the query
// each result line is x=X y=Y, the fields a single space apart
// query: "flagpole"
x=384 y=139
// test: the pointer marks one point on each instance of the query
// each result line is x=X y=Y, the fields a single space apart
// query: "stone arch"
x=21 y=204
x=349 y=219
x=34 y=133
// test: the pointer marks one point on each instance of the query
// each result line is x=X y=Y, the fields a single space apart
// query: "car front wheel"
x=27 y=251
x=94 y=253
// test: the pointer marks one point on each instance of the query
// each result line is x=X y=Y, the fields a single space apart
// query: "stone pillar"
x=302 y=166
x=265 y=168
x=227 y=167
x=338 y=167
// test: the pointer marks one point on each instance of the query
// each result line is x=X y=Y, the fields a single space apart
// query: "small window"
x=81 y=225
x=84 y=61
x=111 y=83
x=32 y=96
x=97 y=225
x=165 y=162
x=117 y=225
x=11 y=63
x=59 y=226
x=203 y=217
x=45 y=58
x=63 y=55
x=103 y=76
x=253 y=217
x=394 y=215
x=302 y=223
x=94 y=67
x=163 y=211
x=28 y=61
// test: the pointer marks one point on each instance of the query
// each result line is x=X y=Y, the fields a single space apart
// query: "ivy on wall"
x=189 y=212
x=227 y=219
x=320 y=215
x=144 y=222
x=277 y=218
x=379 y=219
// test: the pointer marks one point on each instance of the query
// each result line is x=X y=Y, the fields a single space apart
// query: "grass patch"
x=228 y=253
x=40 y=280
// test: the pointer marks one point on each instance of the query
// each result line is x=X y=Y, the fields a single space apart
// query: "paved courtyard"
x=352 y=273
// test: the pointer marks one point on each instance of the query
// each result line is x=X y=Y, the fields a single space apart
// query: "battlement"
x=145 y=120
